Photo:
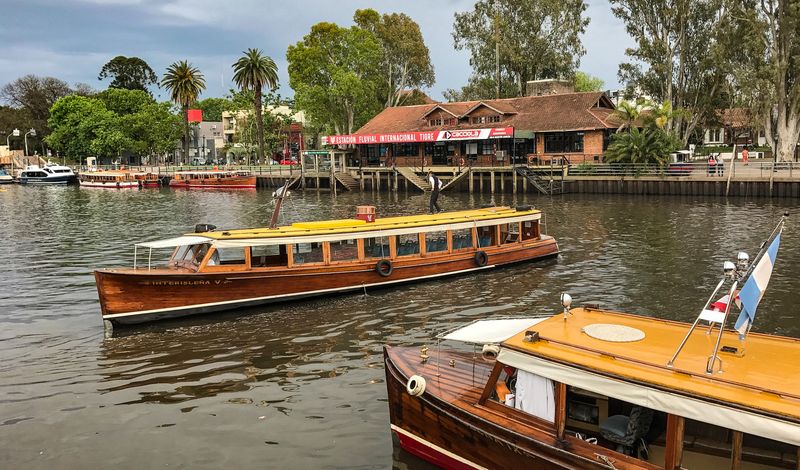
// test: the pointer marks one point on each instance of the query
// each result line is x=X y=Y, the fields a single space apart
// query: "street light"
x=32 y=132
x=14 y=133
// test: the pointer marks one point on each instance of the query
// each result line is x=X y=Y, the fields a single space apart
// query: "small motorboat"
x=5 y=178
x=48 y=174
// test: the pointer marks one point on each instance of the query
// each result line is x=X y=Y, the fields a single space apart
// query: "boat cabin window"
x=344 y=250
x=227 y=256
x=462 y=239
x=407 y=244
x=530 y=230
x=487 y=236
x=709 y=446
x=435 y=242
x=307 y=253
x=509 y=233
x=377 y=247
x=266 y=256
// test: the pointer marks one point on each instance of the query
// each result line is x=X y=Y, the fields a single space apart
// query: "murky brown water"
x=301 y=384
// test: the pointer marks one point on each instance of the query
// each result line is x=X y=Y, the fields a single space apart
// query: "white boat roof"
x=177 y=241
x=491 y=331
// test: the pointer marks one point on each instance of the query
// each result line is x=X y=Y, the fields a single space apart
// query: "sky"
x=72 y=39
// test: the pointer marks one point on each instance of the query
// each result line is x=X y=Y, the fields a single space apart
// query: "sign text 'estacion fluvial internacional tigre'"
x=411 y=137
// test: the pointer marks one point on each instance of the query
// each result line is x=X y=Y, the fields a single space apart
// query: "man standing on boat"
x=436 y=186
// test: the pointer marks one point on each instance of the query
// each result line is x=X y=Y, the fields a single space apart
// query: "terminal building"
x=551 y=125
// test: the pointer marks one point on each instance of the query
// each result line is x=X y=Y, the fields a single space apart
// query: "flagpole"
x=765 y=245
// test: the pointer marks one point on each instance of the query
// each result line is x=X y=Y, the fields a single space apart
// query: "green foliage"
x=84 y=126
x=537 y=40
x=405 y=59
x=274 y=124
x=585 y=82
x=648 y=145
x=185 y=83
x=334 y=73
x=213 y=108
x=253 y=72
x=682 y=55
x=130 y=73
x=36 y=95
x=14 y=118
x=122 y=101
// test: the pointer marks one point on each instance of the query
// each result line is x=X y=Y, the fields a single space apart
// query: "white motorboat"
x=48 y=174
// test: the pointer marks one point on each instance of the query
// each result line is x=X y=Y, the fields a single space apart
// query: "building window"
x=435 y=122
x=450 y=122
x=715 y=135
x=406 y=150
x=567 y=142
x=487 y=147
x=485 y=119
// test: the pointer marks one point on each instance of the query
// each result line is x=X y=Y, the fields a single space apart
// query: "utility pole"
x=496 y=55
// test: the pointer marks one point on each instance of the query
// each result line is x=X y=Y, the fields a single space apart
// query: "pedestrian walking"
x=744 y=154
x=436 y=186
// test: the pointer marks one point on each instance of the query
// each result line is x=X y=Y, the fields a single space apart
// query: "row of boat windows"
x=405 y=245
x=623 y=427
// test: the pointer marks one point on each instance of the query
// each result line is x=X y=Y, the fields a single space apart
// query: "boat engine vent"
x=201 y=228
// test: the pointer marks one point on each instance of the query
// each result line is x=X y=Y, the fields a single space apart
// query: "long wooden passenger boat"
x=220 y=270
x=594 y=388
x=120 y=179
x=210 y=179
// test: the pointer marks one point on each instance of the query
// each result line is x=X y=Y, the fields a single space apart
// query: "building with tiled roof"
x=568 y=126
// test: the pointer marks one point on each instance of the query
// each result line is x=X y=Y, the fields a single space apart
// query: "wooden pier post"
x=491 y=181
x=480 y=182
x=396 y=181
x=514 y=181
x=471 y=181
x=502 y=182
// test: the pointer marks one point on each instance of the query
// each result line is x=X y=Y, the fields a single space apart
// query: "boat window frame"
x=329 y=256
x=420 y=245
x=424 y=238
x=205 y=267
x=325 y=257
x=281 y=253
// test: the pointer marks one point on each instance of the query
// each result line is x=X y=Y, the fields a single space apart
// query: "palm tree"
x=185 y=83
x=254 y=71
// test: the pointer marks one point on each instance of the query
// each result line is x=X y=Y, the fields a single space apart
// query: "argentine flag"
x=755 y=286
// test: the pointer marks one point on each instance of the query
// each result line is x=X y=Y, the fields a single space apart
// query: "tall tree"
x=680 y=55
x=585 y=82
x=333 y=72
x=769 y=75
x=36 y=95
x=131 y=73
x=405 y=59
x=254 y=71
x=521 y=40
x=122 y=101
x=185 y=83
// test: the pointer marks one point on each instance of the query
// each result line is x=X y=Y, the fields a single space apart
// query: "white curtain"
x=535 y=395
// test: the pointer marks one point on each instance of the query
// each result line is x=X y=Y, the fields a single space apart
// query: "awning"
x=178 y=241
x=492 y=331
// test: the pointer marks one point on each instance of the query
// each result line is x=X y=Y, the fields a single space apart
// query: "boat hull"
x=110 y=184
x=437 y=426
x=245 y=182
x=47 y=180
x=137 y=296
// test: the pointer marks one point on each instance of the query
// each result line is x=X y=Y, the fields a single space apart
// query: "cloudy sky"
x=72 y=39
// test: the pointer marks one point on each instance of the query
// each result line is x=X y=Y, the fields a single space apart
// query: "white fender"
x=415 y=386
x=490 y=351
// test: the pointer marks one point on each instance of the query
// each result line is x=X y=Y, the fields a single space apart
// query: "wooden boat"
x=594 y=388
x=114 y=179
x=219 y=179
x=220 y=270
x=147 y=180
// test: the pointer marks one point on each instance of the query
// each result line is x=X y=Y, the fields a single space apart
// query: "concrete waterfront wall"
x=684 y=187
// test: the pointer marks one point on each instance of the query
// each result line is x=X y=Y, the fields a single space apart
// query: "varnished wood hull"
x=137 y=296
x=236 y=182
x=446 y=426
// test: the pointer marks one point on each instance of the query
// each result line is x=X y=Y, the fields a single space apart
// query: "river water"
x=302 y=384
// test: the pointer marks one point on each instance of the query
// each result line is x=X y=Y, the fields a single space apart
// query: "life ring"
x=384 y=267
x=461 y=161
x=481 y=258
x=415 y=386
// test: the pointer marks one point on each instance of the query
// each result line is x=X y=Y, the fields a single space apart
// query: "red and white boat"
x=108 y=179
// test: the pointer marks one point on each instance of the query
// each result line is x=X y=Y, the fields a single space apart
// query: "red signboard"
x=411 y=137
x=195 y=115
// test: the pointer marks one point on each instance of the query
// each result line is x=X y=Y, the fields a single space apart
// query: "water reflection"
x=304 y=381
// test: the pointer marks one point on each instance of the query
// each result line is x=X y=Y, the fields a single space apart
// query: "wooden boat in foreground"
x=221 y=270
x=214 y=179
x=593 y=388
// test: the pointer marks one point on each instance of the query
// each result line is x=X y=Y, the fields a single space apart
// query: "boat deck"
x=766 y=377
x=385 y=223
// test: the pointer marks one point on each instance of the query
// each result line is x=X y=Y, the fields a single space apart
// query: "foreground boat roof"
x=449 y=221
x=765 y=378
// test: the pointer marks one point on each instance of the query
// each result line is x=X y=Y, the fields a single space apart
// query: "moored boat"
x=594 y=388
x=108 y=179
x=214 y=179
x=214 y=270
x=5 y=178
x=48 y=174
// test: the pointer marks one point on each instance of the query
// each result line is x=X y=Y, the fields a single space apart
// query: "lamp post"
x=14 y=133
x=32 y=133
